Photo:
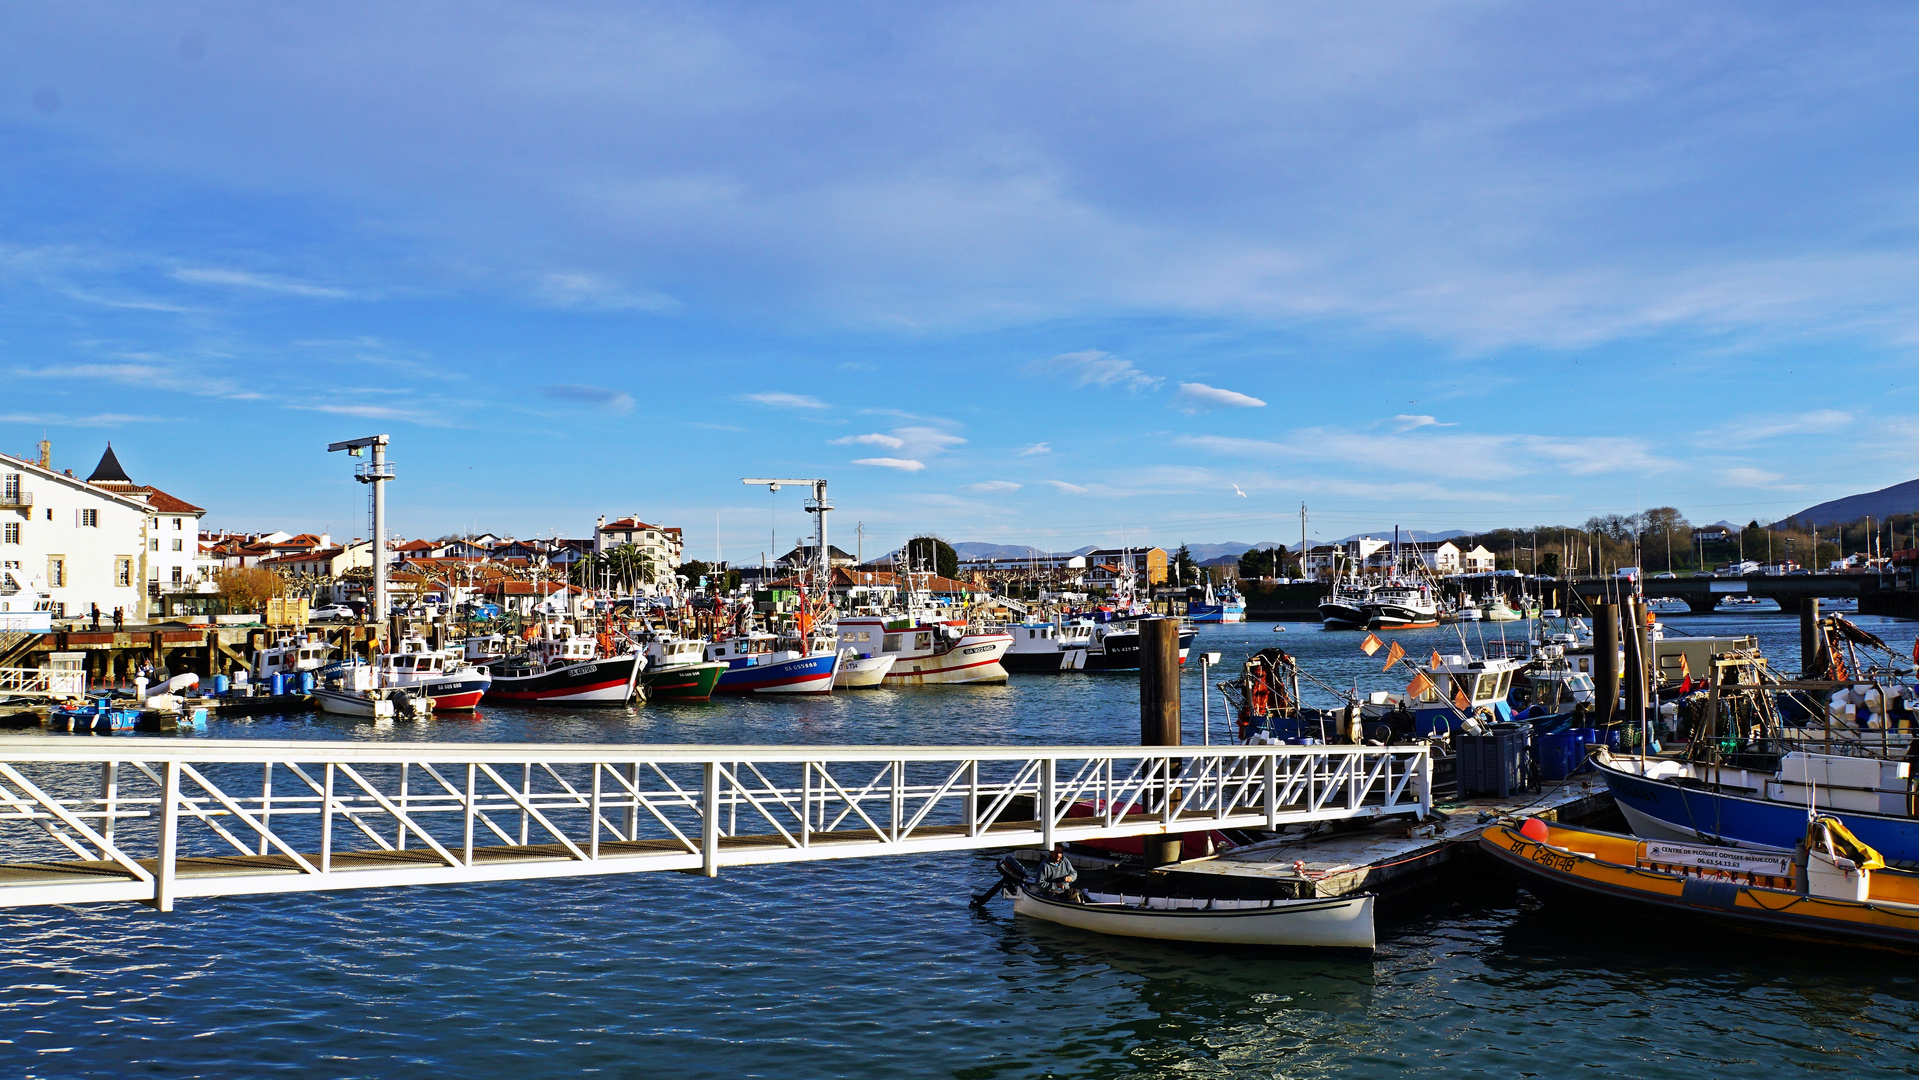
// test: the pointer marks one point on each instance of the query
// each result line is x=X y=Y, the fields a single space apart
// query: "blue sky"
x=1055 y=274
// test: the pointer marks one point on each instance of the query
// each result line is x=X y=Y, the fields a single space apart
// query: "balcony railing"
x=16 y=500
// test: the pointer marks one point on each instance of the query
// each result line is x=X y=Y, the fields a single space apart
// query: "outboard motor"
x=1011 y=876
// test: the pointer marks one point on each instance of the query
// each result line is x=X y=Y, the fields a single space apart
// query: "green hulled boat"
x=681 y=682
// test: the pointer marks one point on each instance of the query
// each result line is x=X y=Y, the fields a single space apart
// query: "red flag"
x=1371 y=644
x=1393 y=656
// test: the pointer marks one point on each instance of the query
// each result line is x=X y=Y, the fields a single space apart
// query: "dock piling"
x=1808 y=636
x=1159 y=719
x=1605 y=662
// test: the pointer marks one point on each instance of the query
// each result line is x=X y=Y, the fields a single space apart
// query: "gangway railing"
x=42 y=682
x=94 y=819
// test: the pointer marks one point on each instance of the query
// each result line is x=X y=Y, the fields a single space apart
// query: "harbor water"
x=877 y=968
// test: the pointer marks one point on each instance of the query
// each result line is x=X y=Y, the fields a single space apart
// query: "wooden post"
x=1605 y=663
x=1159 y=712
x=1808 y=636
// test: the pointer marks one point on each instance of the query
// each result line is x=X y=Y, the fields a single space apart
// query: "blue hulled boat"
x=1685 y=800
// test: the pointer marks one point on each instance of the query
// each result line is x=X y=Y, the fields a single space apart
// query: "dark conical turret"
x=109 y=470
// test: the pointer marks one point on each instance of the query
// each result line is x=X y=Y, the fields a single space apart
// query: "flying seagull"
x=1238 y=492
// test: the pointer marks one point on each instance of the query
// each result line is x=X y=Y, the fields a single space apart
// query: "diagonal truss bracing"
x=90 y=820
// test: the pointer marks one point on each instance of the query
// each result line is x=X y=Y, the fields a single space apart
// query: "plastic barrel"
x=219 y=685
x=1558 y=754
x=1588 y=738
x=278 y=683
x=306 y=682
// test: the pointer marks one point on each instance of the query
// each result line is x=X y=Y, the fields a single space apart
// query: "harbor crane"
x=374 y=474
x=819 y=505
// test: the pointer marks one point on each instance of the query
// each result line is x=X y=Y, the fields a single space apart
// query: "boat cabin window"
x=892 y=643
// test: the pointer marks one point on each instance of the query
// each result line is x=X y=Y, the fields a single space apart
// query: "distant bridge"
x=93 y=819
x=1703 y=594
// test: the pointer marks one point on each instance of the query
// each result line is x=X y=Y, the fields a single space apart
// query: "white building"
x=69 y=545
x=663 y=544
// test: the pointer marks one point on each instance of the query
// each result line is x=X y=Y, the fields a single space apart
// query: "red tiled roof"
x=167 y=504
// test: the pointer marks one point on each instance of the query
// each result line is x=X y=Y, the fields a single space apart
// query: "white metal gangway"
x=46 y=682
x=93 y=819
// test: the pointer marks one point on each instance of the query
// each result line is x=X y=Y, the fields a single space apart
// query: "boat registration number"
x=1717 y=858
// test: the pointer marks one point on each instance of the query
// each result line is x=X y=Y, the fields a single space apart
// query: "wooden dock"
x=1381 y=856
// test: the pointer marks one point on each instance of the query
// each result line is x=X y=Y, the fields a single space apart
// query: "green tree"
x=1185 y=570
x=932 y=553
x=1257 y=563
x=1549 y=563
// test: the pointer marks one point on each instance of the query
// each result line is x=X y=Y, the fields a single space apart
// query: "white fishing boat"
x=355 y=690
x=861 y=672
x=440 y=674
x=927 y=653
x=1047 y=647
x=1333 y=922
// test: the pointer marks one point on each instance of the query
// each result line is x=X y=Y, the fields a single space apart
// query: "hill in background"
x=1897 y=499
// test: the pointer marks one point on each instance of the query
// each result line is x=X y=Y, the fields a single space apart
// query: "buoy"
x=1535 y=829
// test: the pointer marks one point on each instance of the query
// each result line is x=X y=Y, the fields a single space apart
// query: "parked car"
x=332 y=613
x=1663 y=576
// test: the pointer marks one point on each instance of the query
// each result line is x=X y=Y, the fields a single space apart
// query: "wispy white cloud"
x=1754 y=430
x=604 y=397
x=587 y=292
x=245 y=279
x=1198 y=397
x=1070 y=489
x=779 y=400
x=1035 y=448
x=139 y=371
x=1484 y=457
x=1403 y=422
x=425 y=418
x=991 y=486
x=902 y=464
x=97 y=420
x=1745 y=476
x=891 y=442
x=1094 y=368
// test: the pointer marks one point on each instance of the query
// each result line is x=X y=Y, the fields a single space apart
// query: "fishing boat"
x=1335 y=922
x=759 y=663
x=1830 y=886
x=929 y=652
x=355 y=690
x=1114 y=645
x=290 y=654
x=1665 y=798
x=440 y=674
x=95 y=712
x=1402 y=607
x=861 y=671
x=1345 y=607
x=1495 y=609
x=1046 y=647
x=676 y=667
x=1224 y=606
x=564 y=667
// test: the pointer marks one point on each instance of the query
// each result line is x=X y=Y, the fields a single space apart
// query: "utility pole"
x=1302 y=542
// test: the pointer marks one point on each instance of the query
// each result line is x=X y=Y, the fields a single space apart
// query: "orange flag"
x=1393 y=656
x=1436 y=661
x=1461 y=701
x=1418 y=687
x=1371 y=644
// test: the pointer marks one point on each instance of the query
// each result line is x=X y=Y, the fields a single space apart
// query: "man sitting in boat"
x=1056 y=875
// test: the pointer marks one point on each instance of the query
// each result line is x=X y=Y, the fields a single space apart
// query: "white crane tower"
x=819 y=505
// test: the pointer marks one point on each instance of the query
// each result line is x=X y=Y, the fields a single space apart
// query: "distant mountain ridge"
x=1887 y=501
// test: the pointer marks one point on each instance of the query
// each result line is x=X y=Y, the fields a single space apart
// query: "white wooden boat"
x=1332 y=922
x=859 y=672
